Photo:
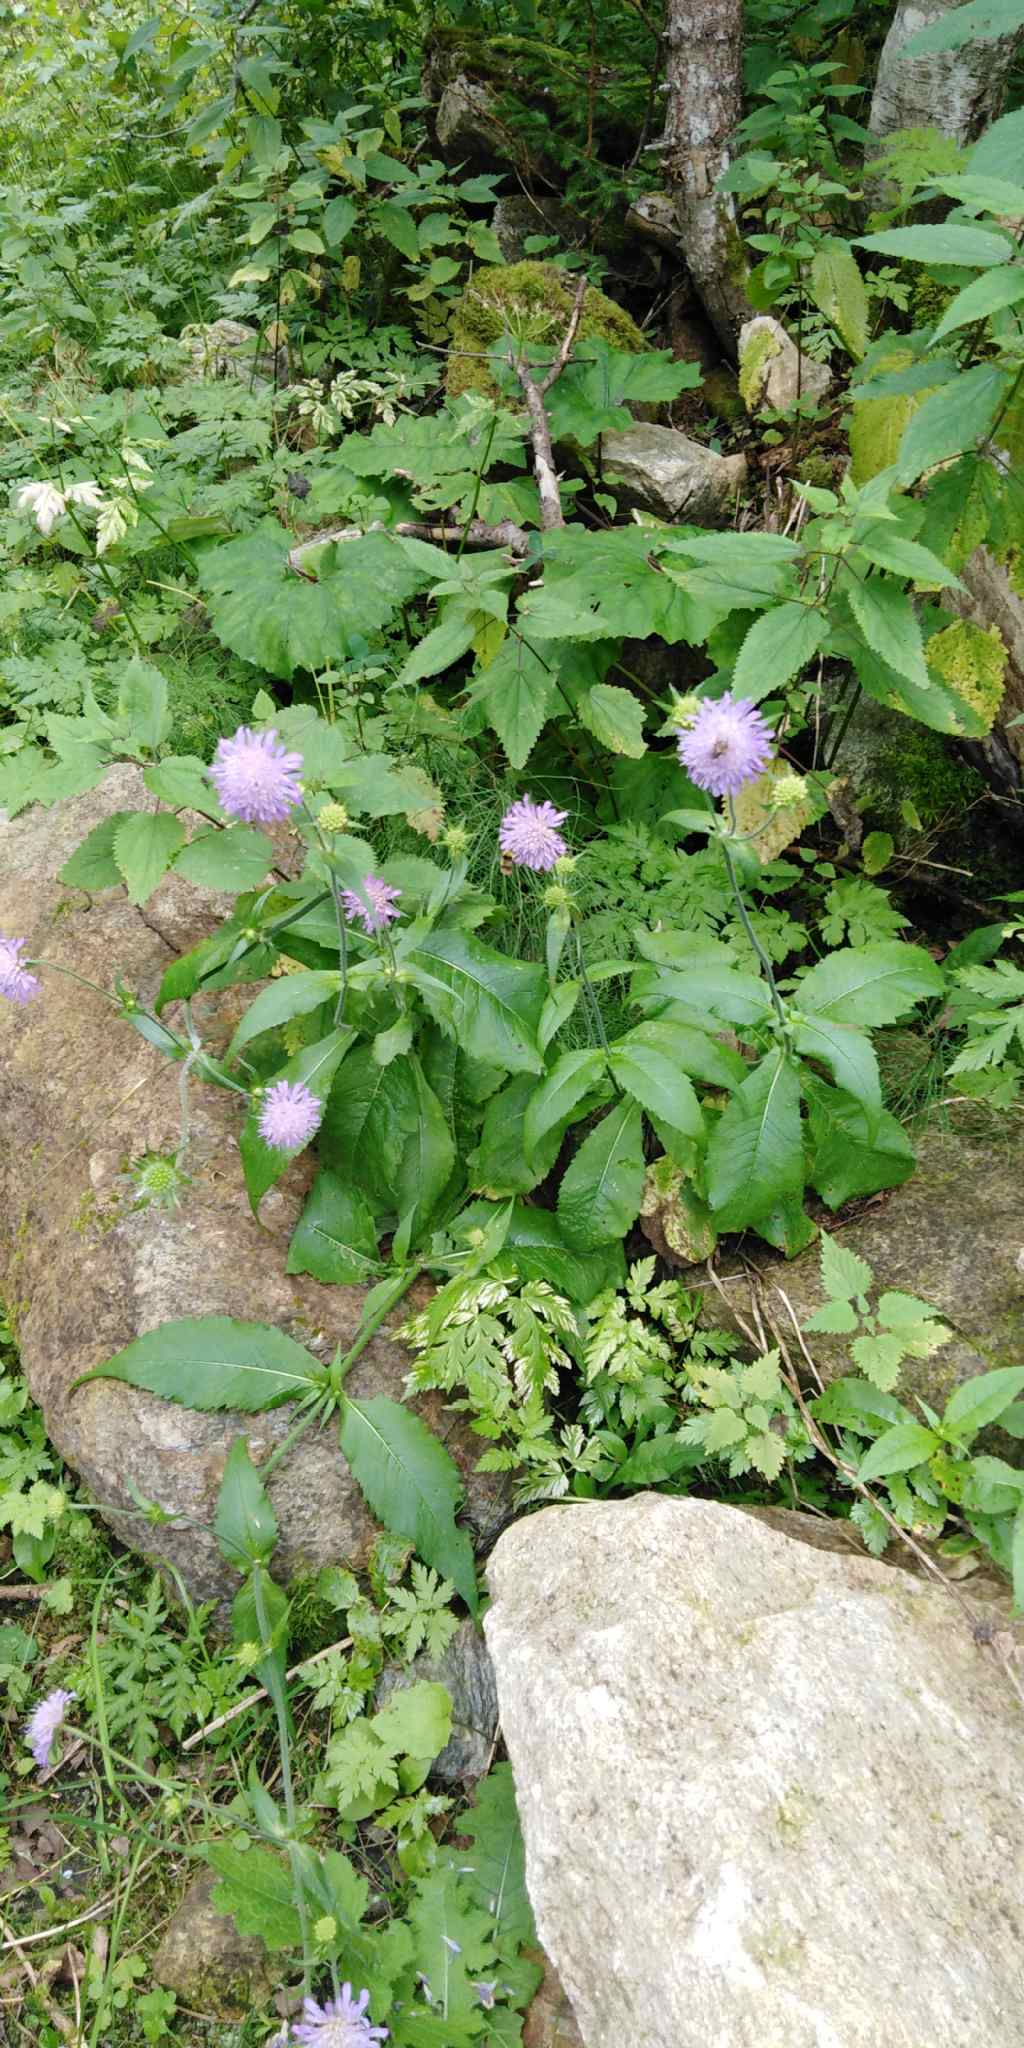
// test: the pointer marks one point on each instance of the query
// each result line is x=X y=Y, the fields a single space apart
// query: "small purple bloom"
x=727 y=745
x=44 y=1723
x=378 y=911
x=529 y=834
x=485 y=1993
x=16 y=983
x=255 y=777
x=289 y=1116
x=342 y=2023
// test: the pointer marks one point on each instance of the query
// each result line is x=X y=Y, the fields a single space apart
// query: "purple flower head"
x=44 y=1723
x=255 y=777
x=16 y=983
x=342 y=2023
x=727 y=745
x=529 y=834
x=289 y=1116
x=378 y=911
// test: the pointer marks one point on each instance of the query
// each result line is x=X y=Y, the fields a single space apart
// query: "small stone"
x=660 y=470
x=212 y=1967
x=772 y=370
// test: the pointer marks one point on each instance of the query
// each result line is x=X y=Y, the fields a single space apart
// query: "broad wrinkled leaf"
x=853 y=1153
x=499 y=1165
x=599 y=1198
x=615 y=717
x=371 y=1112
x=535 y=1249
x=848 y=1055
x=890 y=625
x=411 y=1485
x=650 y=1075
x=518 y=692
x=869 y=985
x=571 y=1079
x=270 y=615
x=238 y=858
x=952 y=420
x=211 y=1362
x=777 y=647
x=256 y=1888
x=92 y=865
x=145 y=844
x=490 y=1003
x=425 y=1168
x=755 y=1153
x=335 y=1238
x=494 y=1869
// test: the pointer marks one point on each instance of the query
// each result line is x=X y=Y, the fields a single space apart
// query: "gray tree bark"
x=957 y=91
x=703 y=73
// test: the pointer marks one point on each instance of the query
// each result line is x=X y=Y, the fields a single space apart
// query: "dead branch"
x=535 y=390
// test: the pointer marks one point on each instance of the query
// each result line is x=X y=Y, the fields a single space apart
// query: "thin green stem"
x=766 y=964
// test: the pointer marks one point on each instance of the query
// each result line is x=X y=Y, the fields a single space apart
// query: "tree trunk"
x=704 y=44
x=957 y=91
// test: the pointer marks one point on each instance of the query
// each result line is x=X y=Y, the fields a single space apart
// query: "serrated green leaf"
x=651 y=1077
x=499 y=1164
x=889 y=550
x=182 y=781
x=489 y=1003
x=981 y=1400
x=257 y=1890
x=890 y=625
x=211 y=1362
x=615 y=717
x=954 y=419
x=144 y=845
x=901 y=1448
x=777 y=647
x=848 y=1055
x=370 y=1113
x=335 y=1238
x=273 y=617
x=694 y=1052
x=944 y=242
x=411 y=1485
x=755 y=1153
x=142 y=705
x=880 y=1357
x=425 y=1167
x=291 y=995
x=92 y=865
x=833 y=1319
x=987 y=294
x=599 y=1198
x=494 y=1870
x=854 y=1153
x=838 y=289
x=844 y=1274
x=337 y=219
x=573 y=1077
x=869 y=985
x=518 y=691
x=238 y=858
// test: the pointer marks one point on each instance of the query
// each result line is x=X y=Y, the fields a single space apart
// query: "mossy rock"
x=532 y=300
x=890 y=760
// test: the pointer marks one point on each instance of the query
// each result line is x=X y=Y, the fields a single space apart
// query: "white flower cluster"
x=46 y=504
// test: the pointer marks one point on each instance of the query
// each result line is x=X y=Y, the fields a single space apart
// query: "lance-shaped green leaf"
x=981 y=1400
x=425 y=1166
x=572 y=1077
x=599 y=1198
x=848 y=1055
x=837 y=287
x=693 y=1052
x=490 y=1003
x=955 y=418
x=898 y=1450
x=946 y=242
x=985 y=295
x=315 y=1066
x=890 y=626
x=869 y=985
x=853 y=1152
x=411 y=1484
x=777 y=647
x=335 y=1238
x=650 y=1075
x=211 y=1362
x=755 y=1153
x=244 y=1524
x=292 y=995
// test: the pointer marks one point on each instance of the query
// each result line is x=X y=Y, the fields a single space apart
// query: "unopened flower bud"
x=333 y=818
x=558 y=897
x=456 y=841
x=683 y=710
x=566 y=864
x=787 y=792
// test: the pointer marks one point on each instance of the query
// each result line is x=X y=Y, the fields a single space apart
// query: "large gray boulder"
x=85 y=1270
x=660 y=470
x=772 y=1795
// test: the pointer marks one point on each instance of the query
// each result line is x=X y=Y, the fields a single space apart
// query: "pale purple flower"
x=44 y=1723
x=16 y=983
x=255 y=777
x=378 y=910
x=727 y=745
x=529 y=834
x=342 y=2023
x=485 y=1993
x=289 y=1116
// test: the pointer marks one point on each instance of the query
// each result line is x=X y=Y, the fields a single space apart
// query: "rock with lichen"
x=772 y=372
x=662 y=471
x=203 y=1958
x=532 y=301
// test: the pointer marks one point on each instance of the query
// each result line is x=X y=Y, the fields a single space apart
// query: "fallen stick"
x=261 y=1693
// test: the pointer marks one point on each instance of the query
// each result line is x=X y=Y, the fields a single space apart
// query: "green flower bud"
x=787 y=792
x=333 y=818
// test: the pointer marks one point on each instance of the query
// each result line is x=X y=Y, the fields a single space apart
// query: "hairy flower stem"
x=766 y=965
x=590 y=993
x=279 y=1698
